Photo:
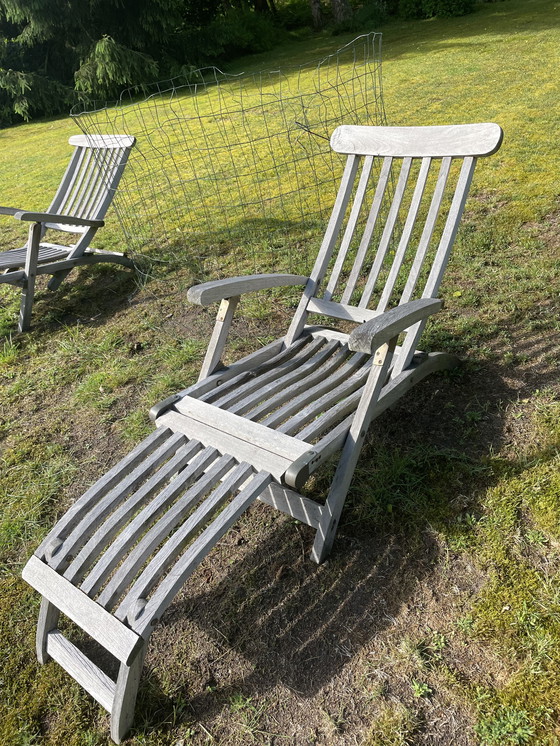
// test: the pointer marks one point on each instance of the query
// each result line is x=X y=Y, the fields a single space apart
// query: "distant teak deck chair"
x=258 y=428
x=79 y=206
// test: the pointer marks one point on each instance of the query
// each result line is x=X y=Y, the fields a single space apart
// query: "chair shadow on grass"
x=258 y=613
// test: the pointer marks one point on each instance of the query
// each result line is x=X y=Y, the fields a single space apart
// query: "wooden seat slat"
x=109 y=560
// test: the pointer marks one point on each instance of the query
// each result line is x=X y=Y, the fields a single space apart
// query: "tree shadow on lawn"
x=513 y=17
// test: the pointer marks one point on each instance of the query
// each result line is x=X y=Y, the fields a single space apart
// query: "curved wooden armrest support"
x=51 y=217
x=370 y=335
x=216 y=290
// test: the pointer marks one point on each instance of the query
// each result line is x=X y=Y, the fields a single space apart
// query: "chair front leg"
x=28 y=292
x=219 y=336
x=334 y=503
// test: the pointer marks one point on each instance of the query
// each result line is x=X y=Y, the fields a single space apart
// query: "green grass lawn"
x=437 y=619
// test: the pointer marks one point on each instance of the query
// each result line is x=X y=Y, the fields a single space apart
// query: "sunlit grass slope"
x=436 y=621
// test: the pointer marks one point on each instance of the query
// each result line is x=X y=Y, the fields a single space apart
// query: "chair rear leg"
x=57 y=279
x=122 y=712
x=330 y=515
x=28 y=292
x=48 y=620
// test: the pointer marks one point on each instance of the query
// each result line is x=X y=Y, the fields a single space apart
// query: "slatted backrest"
x=92 y=176
x=394 y=221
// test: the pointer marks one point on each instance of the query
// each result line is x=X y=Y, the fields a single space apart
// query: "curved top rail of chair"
x=102 y=141
x=455 y=141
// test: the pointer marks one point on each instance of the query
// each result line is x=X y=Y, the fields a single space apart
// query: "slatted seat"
x=257 y=429
x=79 y=207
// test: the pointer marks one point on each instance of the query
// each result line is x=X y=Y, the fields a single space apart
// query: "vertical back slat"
x=103 y=160
x=368 y=230
x=327 y=246
x=64 y=186
x=406 y=234
x=387 y=233
x=80 y=185
x=440 y=262
x=428 y=230
x=350 y=227
x=107 y=182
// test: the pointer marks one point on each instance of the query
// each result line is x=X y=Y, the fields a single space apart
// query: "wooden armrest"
x=10 y=210
x=370 y=335
x=51 y=217
x=216 y=290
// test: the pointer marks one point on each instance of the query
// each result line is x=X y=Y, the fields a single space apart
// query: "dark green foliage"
x=234 y=32
x=56 y=52
x=94 y=46
x=295 y=14
x=431 y=8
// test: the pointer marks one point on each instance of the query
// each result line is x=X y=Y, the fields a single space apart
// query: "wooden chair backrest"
x=394 y=221
x=92 y=177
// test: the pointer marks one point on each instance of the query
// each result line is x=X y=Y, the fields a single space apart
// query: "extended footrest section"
x=117 y=558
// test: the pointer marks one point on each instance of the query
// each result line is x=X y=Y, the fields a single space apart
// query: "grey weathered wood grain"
x=340 y=310
x=114 y=636
x=196 y=552
x=219 y=336
x=139 y=525
x=292 y=503
x=293 y=396
x=239 y=427
x=122 y=711
x=225 y=442
x=144 y=547
x=349 y=456
x=387 y=234
x=30 y=270
x=224 y=385
x=81 y=668
x=102 y=141
x=58 y=220
x=458 y=140
x=406 y=234
x=284 y=381
x=441 y=258
x=107 y=530
x=350 y=227
x=106 y=483
x=370 y=335
x=217 y=290
x=97 y=513
x=322 y=413
x=324 y=381
x=241 y=388
x=372 y=221
x=327 y=246
x=173 y=547
x=48 y=620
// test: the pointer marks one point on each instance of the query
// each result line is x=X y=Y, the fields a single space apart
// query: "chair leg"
x=28 y=291
x=350 y=453
x=122 y=712
x=335 y=502
x=48 y=620
x=57 y=279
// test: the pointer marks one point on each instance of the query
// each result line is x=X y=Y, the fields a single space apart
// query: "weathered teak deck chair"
x=259 y=427
x=79 y=206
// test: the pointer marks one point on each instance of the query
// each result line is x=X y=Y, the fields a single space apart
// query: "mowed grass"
x=437 y=619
